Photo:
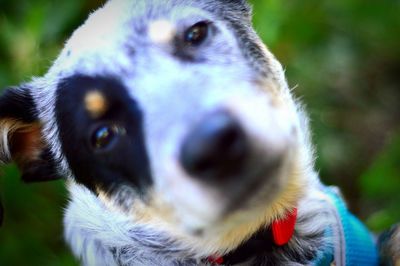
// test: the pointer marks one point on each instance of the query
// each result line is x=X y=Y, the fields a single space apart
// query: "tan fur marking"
x=95 y=103
x=275 y=95
x=105 y=199
x=155 y=209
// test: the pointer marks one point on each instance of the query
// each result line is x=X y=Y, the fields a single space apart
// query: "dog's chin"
x=235 y=206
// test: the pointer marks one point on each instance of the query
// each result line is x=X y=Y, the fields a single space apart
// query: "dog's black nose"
x=216 y=148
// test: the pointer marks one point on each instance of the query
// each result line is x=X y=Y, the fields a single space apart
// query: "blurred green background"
x=342 y=56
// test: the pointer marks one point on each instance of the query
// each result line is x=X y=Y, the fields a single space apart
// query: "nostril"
x=230 y=139
x=215 y=148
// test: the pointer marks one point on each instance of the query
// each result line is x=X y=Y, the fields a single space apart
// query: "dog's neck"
x=277 y=234
x=111 y=236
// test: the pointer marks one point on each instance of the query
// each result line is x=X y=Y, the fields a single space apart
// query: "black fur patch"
x=126 y=162
x=17 y=104
x=41 y=170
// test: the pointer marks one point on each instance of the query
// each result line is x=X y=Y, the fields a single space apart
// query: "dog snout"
x=215 y=148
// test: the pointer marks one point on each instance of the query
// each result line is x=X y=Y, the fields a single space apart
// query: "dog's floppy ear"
x=21 y=137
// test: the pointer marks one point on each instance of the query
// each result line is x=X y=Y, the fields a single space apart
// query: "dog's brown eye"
x=103 y=137
x=197 y=34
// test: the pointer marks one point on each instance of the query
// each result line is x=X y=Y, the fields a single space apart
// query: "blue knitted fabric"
x=360 y=248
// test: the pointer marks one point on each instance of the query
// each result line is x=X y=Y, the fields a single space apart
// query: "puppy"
x=180 y=142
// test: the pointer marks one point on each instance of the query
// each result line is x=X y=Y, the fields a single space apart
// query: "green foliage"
x=32 y=232
x=380 y=187
x=343 y=56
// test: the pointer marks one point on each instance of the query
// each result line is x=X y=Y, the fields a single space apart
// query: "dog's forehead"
x=119 y=16
x=122 y=25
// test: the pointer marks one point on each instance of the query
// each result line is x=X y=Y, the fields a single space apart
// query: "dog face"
x=171 y=112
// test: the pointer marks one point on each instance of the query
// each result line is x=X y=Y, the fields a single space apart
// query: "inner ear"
x=23 y=144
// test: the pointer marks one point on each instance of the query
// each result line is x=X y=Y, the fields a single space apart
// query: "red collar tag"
x=282 y=230
x=215 y=260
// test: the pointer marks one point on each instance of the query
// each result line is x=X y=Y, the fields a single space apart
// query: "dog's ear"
x=21 y=138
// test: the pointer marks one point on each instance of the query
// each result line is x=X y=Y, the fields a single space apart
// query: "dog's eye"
x=197 y=34
x=104 y=137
